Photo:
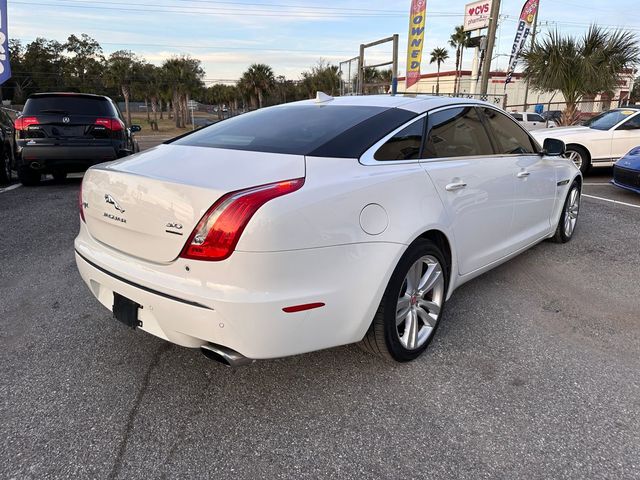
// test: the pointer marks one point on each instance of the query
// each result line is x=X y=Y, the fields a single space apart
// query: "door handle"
x=455 y=186
x=523 y=174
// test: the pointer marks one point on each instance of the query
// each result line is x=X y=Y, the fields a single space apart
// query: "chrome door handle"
x=523 y=174
x=455 y=186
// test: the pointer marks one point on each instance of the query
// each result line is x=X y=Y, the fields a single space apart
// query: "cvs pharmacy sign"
x=476 y=15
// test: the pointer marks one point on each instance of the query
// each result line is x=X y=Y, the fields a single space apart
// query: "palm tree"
x=438 y=55
x=580 y=67
x=459 y=40
x=122 y=68
x=184 y=75
x=260 y=79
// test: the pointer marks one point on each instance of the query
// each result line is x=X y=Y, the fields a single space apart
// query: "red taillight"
x=81 y=203
x=302 y=308
x=113 y=124
x=217 y=234
x=22 y=123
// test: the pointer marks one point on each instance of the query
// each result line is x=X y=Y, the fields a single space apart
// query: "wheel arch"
x=445 y=243
x=580 y=145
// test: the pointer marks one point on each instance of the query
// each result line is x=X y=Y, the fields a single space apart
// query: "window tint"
x=456 y=132
x=67 y=105
x=294 y=129
x=534 y=117
x=510 y=137
x=517 y=116
x=631 y=124
x=404 y=145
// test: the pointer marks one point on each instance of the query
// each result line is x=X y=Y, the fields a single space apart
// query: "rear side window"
x=67 y=105
x=517 y=116
x=510 y=137
x=456 y=132
x=404 y=145
x=289 y=129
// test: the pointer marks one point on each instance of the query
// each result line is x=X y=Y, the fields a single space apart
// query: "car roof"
x=417 y=103
x=68 y=94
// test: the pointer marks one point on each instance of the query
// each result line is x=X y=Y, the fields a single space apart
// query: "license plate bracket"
x=126 y=311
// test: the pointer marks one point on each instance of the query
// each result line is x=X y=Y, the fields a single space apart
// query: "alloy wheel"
x=6 y=160
x=575 y=157
x=571 y=212
x=419 y=302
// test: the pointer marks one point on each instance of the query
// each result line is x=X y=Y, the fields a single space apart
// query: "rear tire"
x=569 y=216
x=28 y=177
x=6 y=174
x=412 y=305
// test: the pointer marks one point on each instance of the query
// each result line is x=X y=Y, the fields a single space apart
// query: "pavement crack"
x=122 y=448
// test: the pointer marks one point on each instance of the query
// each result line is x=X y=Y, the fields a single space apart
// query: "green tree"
x=438 y=56
x=580 y=67
x=459 y=40
x=84 y=64
x=259 y=79
x=184 y=76
x=323 y=77
x=123 y=68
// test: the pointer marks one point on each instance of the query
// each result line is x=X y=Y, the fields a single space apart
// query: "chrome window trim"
x=368 y=158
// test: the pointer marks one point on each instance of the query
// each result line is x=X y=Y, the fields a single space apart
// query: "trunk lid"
x=148 y=205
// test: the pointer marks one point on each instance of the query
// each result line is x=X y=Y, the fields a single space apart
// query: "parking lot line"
x=11 y=187
x=611 y=201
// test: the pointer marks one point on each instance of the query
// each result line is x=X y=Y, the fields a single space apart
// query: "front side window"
x=404 y=145
x=510 y=138
x=534 y=117
x=456 y=132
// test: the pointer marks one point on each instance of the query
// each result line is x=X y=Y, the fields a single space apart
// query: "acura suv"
x=61 y=133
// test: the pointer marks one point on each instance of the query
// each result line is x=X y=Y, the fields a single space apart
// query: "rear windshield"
x=68 y=105
x=292 y=129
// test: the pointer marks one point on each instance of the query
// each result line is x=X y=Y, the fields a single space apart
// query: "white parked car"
x=532 y=121
x=600 y=141
x=318 y=223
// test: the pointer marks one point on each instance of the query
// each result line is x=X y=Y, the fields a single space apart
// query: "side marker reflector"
x=301 y=308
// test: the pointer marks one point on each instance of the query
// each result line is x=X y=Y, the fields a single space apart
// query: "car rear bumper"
x=238 y=303
x=65 y=157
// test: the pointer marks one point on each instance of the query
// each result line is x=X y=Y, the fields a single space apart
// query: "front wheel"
x=579 y=156
x=569 y=216
x=411 y=306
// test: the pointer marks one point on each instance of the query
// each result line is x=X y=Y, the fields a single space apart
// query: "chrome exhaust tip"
x=225 y=355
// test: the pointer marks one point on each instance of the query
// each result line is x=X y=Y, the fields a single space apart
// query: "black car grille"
x=624 y=176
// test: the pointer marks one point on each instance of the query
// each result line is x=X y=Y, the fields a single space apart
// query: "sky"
x=289 y=35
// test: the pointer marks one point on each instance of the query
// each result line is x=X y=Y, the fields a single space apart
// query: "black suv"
x=60 y=133
x=7 y=146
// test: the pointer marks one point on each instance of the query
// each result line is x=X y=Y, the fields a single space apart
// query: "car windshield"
x=607 y=120
x=286 y=129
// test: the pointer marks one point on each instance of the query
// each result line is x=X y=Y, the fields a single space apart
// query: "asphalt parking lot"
x=534 y=373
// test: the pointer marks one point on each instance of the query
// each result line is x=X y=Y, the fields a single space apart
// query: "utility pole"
x=491 y=40
x=533 y=41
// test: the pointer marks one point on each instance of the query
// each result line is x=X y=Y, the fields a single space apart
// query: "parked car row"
x=61 y=133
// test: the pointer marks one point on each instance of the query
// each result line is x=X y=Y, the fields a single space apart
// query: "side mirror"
x=553 y=147
x=135 y=128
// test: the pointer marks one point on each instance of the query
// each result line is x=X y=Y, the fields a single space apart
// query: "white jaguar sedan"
x=319 y=223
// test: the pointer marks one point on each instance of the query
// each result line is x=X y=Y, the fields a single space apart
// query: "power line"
x=195 y=10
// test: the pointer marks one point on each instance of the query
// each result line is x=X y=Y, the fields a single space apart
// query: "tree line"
x=80 y=65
